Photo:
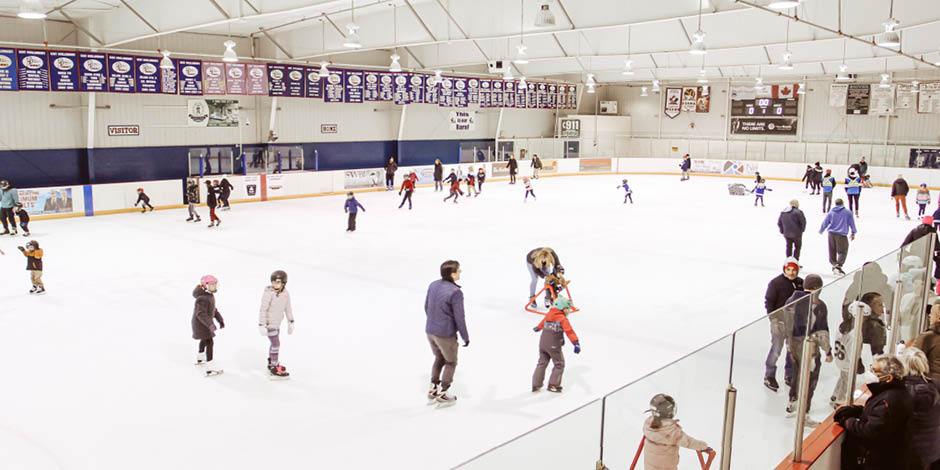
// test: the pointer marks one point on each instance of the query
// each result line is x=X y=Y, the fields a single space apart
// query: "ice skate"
x=433 y=393
x=33 y=290
x=810 y=422
x=791 y=409
x=40 y=291
x=200 y=359
x=26 y=234
x=190 y=219
x=554 y=388
x=445 y=399
x=771 y=384
x=278 y=372
x=218 y=222
x=197 y=220
x=536 y=389
x=5 y=232
x=211 y=370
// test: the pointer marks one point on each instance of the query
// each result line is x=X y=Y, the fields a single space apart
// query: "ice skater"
x=225 y=192
x=899 y=191
x=24 y=218
x=853 y=189
x=828 y=184
x=923 y=199
x=838 y=222
x=8 y=200
x=144 y=200
x=444 y=308
x=455 y=191
x=628 y=192
x=351 y=207
x=472 y=183
x=390 y=168
x=203 y=323
x=192 y=198
x=275 y=305
x=685 y=166
x=554 y=327
x=481 y=177
x=528 y=189
x=33 y=255
x=212 y=202
x=438 y=176
x=541 y=263
x=513 y=167
x=758 y=192
x=536 y=166
x=408 y=186
x=663 y=436
x=807 y=177
x=810 y=323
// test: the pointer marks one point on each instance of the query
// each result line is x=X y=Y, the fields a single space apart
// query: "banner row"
x=64 y=71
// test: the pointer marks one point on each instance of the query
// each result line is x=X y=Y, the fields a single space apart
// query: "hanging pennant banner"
x=689 y=96
x=335 y=86
x=445 y=97
x=148 y=75
x=673 y=103
x=521 y=97
x=541 y=91
x=371 y=87
x=431 y=87
x=121 y=74
x=33 y=70
x=562 y=96
x=277 y=80
x=63 y=70
x=169 y=82
x=473 y=91
x=256 y=82
x=386 y=86
x=92 y=71
x=190 y=77
x=400 y=88
x=8 y=79
x=235 y=79
x=552 y=96
x=354 y=86
x=858 y=99
x=461 y=100
x=296 y=81
x=882 y=100
x=496 y=94
x=509 y=94
x=314 y=83
x=904 y=99
x=485 y=87
x=928 y=100
x=838 y=95
x=213 y=78
x=703 y=102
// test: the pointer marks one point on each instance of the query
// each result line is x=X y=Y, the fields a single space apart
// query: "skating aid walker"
x=554 y=295
x=706 y=463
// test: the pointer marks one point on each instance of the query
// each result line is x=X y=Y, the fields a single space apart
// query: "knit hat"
x=927 y=220
x=791 y=262
x=562 y=303
x=812 y=282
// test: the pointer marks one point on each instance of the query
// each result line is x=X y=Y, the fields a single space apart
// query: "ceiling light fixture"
x=507 y=73
x=522 y=83
x=655 y=86
x=437 y=76
x=644 y=91
x=698 y=37
x=885 y=81
x=787 y=55
x=628 y=64
x=521 y=49
x=545 y=18
x=229 y=55
x=166 y=62
x=891 y=37
x=590 y=80
x=783 y=4
x=352 y=38
x=521 y=57
x=395 y=66
x=915 y=86
x=801 y=87
x=31 y=10
x=843 y=74
x=324 y=71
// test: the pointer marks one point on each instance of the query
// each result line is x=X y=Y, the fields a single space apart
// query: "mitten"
x=290 y=328
x=577 y=348
x=535 y=329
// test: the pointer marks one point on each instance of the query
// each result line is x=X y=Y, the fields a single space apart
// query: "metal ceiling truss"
x=141 y=17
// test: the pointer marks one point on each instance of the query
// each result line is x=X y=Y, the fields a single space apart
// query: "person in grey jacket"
x=445 y=318
x=275 y=305
x=792 y=224
x=8 y=199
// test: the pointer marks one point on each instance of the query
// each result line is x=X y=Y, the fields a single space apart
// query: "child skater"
x=204 y=317
x=24 y=218
x=192 y=197
x=352 y=207
x=144 y=200
x=528 y=189
x=554 y=327
x=759 y=192
x=481 y=177
x=408 y=186
x=664 y=436
x=33 y=255
x=923 y=199
x=455 y=191
x=471 y=183
x=629 y=192
x=212 y=201
x=275 y=305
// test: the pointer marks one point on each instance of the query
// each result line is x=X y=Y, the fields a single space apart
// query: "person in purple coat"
x=351 y=207
x=839 y=222
x=445 y=319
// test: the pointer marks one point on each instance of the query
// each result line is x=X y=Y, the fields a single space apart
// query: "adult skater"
x=481 y=177
x=275 y=305
x=33 y=255
x=810 y=323
x=838 y=222
x=455 y=191
x=779 y=289
x=828 y=184
x=628 y=193
x=192 y=198
x=925 y=228
x=438 y=175
x=817 y=178
x=664 y=436
x=144 y=200
x=351 y=207
x=390 y=168
x=542 y=262
x=863 y=172
x=408 y=186
x=204 y=312
x=212 y=202
x=225 y=192
x=759 y=189
x=8 y=200
x=792 y=224
x=528 y=189
x=685 y=166
x=536 y=166
x=925 y=425
x=554 y=327
x=444 y=308
x=513 y=167
x=853 y=189
x=899 y=191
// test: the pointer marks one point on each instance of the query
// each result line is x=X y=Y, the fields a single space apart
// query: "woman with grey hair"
x=925 y=425
x=878 y=436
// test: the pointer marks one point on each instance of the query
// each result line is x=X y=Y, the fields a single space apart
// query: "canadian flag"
x=784 y=91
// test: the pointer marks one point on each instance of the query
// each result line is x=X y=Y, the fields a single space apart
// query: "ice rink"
x=100 y=370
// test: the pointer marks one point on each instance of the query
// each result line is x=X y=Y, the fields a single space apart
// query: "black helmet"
x=663 y=406
x=279 y=275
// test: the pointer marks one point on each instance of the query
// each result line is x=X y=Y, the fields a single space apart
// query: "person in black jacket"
x=899 y=190
x=438 y=175
x=878 y=436
x=212 y=202
x=536 y=166
x=685 y=166
x=807 y=177
x=203 y=322
x=513 y=166
x=925 y=228
x=143 y=198
x=390 y=168
x=225 y=191
x=810 y=323
x=779 y=290
x=792 y=224
x=925 y=425
x=817 y=179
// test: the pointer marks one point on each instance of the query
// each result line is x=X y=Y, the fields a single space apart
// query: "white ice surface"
x=98 y=372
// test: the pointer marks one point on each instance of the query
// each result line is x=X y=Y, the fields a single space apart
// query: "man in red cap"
x=779 y=290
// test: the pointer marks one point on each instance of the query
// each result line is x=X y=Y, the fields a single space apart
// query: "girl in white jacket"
x=275 y=305
x=664 y=436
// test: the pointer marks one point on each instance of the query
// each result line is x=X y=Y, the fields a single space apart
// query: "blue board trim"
x=89 y=201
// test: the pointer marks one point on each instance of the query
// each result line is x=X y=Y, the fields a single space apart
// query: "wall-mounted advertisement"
x=838 y=94
x=212 y=113
x=595 y=164
x=275 y=184
x=689 y=95
x=46 y=200
x=928 y=100
x=858 y=99
x=882 y=101
x=776 y=126
x=462 y=121
x=905 y=96
x=724 y=167
x=360 y=179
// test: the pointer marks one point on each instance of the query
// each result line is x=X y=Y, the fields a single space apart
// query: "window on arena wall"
x=281 y=158
x=210 y=161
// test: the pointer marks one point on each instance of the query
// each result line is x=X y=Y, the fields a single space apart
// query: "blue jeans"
x=778 y=340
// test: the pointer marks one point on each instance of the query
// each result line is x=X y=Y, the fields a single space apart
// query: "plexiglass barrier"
x=817 y=348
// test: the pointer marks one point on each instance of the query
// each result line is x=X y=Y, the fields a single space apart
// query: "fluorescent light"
x=628 y=67
x=783 y=4
x=31 y=10
x=644 y=91
x=324 y=71
x=885 y=81
x=507 y=73
x=787 y=62
x=698 y=43
x=229 y=55
x=544 y=18
x=352 y=39
x=165 y=62
x=395 y=66
x=801 y=88
x=891 y=37
x=522 y=83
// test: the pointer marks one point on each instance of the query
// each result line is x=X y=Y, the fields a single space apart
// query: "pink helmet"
x=208 y=279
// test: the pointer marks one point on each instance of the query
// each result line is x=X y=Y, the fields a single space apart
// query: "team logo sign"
x=256 y=73
x=5 y=62
x=148 y=69
x=32 y=62
x=400 y=80
x=277 y=74
x=63 y=63
x=190 y=71
x=386 y=79
x=295 y=75
x=355 y=80
x=334 y=79
x=213 y=72
x=371 y=78
x=121 y=67
x=235 y=72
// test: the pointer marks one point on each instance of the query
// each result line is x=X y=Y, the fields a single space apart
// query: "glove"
x=399 y=193
x=290 y=328
x=577 y=348
x=846 y=412
x=466 y=343
x=263 y=330
x=535 y=329
x=21 y=248
x=221 y=324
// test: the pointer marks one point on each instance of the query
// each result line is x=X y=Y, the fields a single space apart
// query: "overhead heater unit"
x=496 y=66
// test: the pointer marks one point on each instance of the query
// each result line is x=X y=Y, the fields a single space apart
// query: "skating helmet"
x=854 y=306
x=34 y=244
x=140 y=190
x=279 y=275
x=562 y=303
x=4 y=184
x=208 y=279
x=663 y=406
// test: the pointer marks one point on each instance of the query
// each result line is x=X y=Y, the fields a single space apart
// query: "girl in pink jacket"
x=275 y=305
x=664 y=436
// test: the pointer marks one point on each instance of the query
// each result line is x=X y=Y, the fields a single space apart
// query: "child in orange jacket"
x=554 y=327
x=33 y=255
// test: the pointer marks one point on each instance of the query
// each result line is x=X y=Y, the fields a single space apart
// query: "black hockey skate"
x=277 y=372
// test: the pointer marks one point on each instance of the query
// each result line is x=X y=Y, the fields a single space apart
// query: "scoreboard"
x=764 y=107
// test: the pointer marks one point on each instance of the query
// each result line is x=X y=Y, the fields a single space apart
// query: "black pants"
x=479 y=185
x=146 y=205
x=351 y=224
x=793 y=247
x=438 y=185
x=407 y=197
x=827 y=201
x=24 y=226
x=921 y=208
x=390 y=180
x=453 y=194
x=205 y=346
x=512 y=177
x=224 y=199
x=628 y=197
x=853 y=202
x=838 y=249
x=528 y=192
x=6 y=216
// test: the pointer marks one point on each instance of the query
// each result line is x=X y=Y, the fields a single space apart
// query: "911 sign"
x=570 y=128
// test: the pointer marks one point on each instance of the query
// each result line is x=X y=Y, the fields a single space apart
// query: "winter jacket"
x=451 y=178
x=443 y=306
x=925 y=427
x=828 y=183
x=274 y=307
x=390 y=169
x=626 y=188
x=817 y=173
x=211 y=198
x=471 y=179
x=863 y=168
x=192 y=194
x=542 y=271
x=225 y=188
x=779 y=289
x=804 y=324
x=33 y=260
x=8 y=198
x=808 y=174
x=407 y=185
x=481 y=175
x=142 y=197
x=203 y=314
x=839 y=220
x=853 y=185
x=438 y=172
x=352 y=206
x=513 y=165
x=921 y=230
x=556 y=321
x=23 y=215
x=537 y=163
x=929 y=343
x=760 y=189
x=900 y=188
x=661 y=450
x=686 y=164
x=923 y=196
x=792 y=222
x=884 y=429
